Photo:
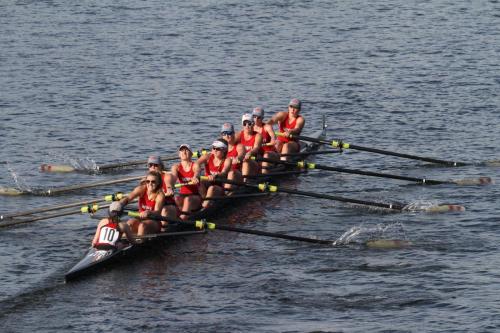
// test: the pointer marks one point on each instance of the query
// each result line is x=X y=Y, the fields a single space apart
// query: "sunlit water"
x=96 y=83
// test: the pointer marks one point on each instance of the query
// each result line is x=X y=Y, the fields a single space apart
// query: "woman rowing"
x=268 y=138
x=216 y=164
x=169 y=209
x=110 y=230
x=290 y=123
x=187 y=173
x=235 y=152
x=151 y=201
x=252 y=142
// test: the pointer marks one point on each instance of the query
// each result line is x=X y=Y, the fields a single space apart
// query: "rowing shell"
x=97 y=259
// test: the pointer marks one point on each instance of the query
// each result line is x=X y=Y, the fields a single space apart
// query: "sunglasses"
x=293 y=107
x=217 y=149
x=227 y=133
x=258 y=117
x=153 y=165
x=247 y=123
x=152 y=182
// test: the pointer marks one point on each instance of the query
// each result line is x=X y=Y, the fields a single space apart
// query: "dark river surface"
x=89 y=82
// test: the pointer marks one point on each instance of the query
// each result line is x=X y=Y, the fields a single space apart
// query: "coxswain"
x=110 y=230
x=235 y=152
x=268 y=138
x=216 y=165
x=252 y=142
x=169 y=209
x=187 y=173
x=151 y=201
x=290 y=123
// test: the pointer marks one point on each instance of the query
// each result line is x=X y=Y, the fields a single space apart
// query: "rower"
x=169 y=209
x=151 y=201
x=186 y=172
x=290 y=123
x=110 y=230
x=268 y=138
x=235 y=152
x=216 y=164
x=252 y=142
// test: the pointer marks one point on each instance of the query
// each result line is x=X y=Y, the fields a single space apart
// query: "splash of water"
x=361 y=234
x=20 y=183
x=419 y=205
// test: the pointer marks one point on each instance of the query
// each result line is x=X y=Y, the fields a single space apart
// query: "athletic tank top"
x=185 y=176
x=285 y=124
x=145 y=203
x=233 y=153
x=211 y=168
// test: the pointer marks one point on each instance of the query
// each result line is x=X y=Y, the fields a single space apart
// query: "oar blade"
x=10 y=191
x=474 y=181
x=387 y=244
x=57 y=168
x=445 y=208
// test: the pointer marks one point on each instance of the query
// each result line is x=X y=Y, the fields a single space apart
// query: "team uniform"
x=285 y=124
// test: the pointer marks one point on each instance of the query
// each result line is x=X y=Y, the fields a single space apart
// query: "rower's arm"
x=270 y=131
x=279 y=116
x=132 y=195
x=299 y=125
x=257 y=145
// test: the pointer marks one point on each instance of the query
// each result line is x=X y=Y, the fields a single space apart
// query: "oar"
x=104 y=167
x=343 y=145
x=265 y=187
x=58 y=190
x=38 y=218
x=203 y=225
x=111 y=197
x=423 y=181
x=319 y=152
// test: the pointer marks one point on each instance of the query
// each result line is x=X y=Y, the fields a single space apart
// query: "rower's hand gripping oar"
x=344 y=145
x=423 y=181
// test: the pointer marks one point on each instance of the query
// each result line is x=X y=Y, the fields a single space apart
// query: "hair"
x=158 y=179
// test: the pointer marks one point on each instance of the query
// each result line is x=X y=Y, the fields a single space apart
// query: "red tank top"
x=233 y=153
x=248 y=144
x=185 y=177
x=266 y=138
x=211 y=168
x=285 y=124
x=145 y=203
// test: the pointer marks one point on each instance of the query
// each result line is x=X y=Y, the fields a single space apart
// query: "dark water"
x=112 y=81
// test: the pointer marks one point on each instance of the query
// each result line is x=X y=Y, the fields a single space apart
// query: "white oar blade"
x=56 y=168
x=388 y=244
x=474 y=181
x=10 y=191
x=445 y=208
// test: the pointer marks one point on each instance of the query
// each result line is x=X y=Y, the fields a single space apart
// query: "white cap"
x=220 y=143
x=185 y=145
x=247 y=117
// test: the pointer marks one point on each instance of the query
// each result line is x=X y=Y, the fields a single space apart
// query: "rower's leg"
x=133 y=224
x=266 y=166
x=170 y=212
x=249 y=168
x=213 y=191
x=148 y=227
x=289 y=148
x=191 y=203
x=233 y=175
